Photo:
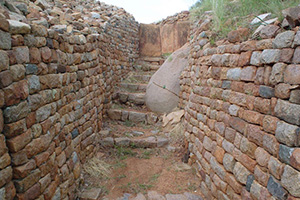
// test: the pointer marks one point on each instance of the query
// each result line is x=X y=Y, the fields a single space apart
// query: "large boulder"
x=163 y=88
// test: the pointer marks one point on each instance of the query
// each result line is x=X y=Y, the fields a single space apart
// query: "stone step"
x=135 y=98
x=153 y=195
x=151 y=59
x=141 y=87
x=147 y=142
x=142 y=77
x=132 y=115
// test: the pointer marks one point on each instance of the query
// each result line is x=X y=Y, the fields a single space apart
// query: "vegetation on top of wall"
x=228 y=15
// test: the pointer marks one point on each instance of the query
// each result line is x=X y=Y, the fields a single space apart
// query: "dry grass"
x=97 y=168
x=177 y=134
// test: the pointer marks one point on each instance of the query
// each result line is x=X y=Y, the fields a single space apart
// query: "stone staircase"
x=129 y=98
x=129 y=108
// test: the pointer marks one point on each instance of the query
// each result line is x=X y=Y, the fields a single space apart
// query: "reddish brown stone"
x=46 y=54
x=30 y=119
x=247 y=162
x=283 y=91
x=219 y=154
x=246 y=195
x=248 y=46
x=16 y=92
x=286 y=55
x=255 y=134
x=251 y=116
x=5 y=79
x=269 y=31
x=5 y=175
x=292 y=74
x=35 y=55
x=17 y=40
x=238 y=124
x=17 y=143
x=23 y=170
x=10 y=191
x=14 y=129
x=261 y=176
x=270 y=144
x=238 y=35
x=244 y=59
x=41 y=158
x=295 y=158
x=237 y=86
x=33 y=192
x=262 y=105
x=270 y=123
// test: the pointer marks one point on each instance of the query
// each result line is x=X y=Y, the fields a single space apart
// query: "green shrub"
x=228 y=15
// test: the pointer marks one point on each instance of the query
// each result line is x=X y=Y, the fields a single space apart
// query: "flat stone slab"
x=91 y=194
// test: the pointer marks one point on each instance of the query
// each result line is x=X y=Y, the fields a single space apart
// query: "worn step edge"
x=134 y=116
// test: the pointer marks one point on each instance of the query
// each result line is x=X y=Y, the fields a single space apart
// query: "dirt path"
x=139 y=170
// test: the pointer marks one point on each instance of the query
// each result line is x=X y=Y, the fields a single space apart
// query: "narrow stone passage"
x=145 y=162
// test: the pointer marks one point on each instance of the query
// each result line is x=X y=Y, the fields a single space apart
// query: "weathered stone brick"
x=261 y=176
x=238 y=124
x=234 y=74
x=5 y=79
x=5 y=175
x=270 y=123
x=241 y=173
x=275 y=188
x=4 y=61
x=262 y=105
x=21 y=54
x=16 y=92
x=275 y=167
x=277 y=74
x=289 y=177
x=295 y=159
x=219 y=154
x=288 y=112
x=296 y=55
x=291 y=74
x=262 y=157
x=15 y=113
x=269 y=56
x=219 y=169
x=249 y=182
x=248 y=73
x=287 y=134
x=255 y=134
x=295 y=96
x=285 y=153
x=270 y=144
x=284 y=40
x=248 y=147
x=283 y=91
x=17 y=143
x=228 y=162
x=286 y=55
x=236 y=186
x=5 y=40
x=24 y=170
x=4 y=161
x=256 y=58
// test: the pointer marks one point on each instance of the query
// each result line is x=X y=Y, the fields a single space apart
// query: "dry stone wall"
x=59 y=61
x=242 y=119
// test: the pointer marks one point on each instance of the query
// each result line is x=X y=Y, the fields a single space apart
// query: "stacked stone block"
x=242 y=117
x=56 y=82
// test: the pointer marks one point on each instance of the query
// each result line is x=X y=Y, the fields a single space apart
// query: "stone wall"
x=58 y=66
x=242 y=114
